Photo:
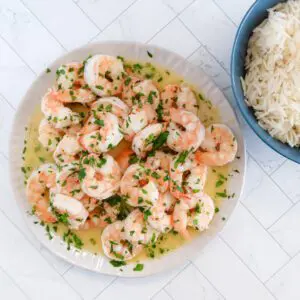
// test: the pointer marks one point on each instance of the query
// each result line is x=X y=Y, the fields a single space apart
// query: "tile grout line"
x=14 y=283
x=277 y=168
x=265 y=229
x=223 y=11
x=116 y=18
x=242 y=261
x=172 y=19
x=170 y=280
x=43 y=25
x=18 y=55
x=212 y=55
x=88 y=17
x=208 y=280
x=163 y=289
x=8 y=103
x=115 y=279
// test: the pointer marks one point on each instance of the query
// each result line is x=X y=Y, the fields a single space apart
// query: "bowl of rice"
x=265 y=73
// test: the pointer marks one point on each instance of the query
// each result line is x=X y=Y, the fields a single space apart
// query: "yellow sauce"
x=35 y=155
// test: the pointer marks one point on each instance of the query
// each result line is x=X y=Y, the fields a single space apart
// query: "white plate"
x=169 y=61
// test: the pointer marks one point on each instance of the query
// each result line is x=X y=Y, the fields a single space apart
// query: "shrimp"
x=113 y=105
x=89 y=203
x=104 y=75
x=139 y=92
x=102 y=176
x=102 y=216
x=67 y=150
x=123 y=159
x=138 y=119
x=74 y=209
x=67 y=180
x=70 y=85
x=115 y=245
x=219 y=146
x=139 y=187
x=159 y=219
x=180 y=219
x=38 y=185
x=202 y=212
x=49 y=136
x=143 y=141
x=137 y=230
x=177 y=96
x=187 y=176
x=56 y=113
x=188 y=138
x=100 y=133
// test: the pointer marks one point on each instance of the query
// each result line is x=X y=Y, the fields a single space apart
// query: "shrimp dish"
x=124 y=159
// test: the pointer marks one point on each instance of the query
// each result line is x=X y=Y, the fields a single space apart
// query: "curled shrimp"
x=137 y=230
x=178 y=96
x=73 y=208
x=112 y=105
x=102 y=216
x=102 y=176
x=187 y=176
x=70 y=85
x=139 y=188
x=67 y=150
x=100 y=133
x=219 y=146
x=180 y=218
x=89 y=203
x=49 y=136
x=115 y=245
x=143 y=141
x=68 y=182
x=159 y=219
x=38 y=185
x=104 y=75
x=56 y=113
x=186 y=131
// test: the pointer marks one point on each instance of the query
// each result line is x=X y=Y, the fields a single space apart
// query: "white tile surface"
x=284 y=285
x=262 y=196
x=212 y=28
x=70 y=27
x=229 y=275
x=253 y=244
x=289 y=182
x=167 y=39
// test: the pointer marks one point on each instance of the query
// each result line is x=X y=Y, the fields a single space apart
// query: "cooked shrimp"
x=177 y=96
x=102 y=176
x=67 y=180
x=159 y=219
x=89 y=203
x=102 y=216
x=114 y=244
x=70 y=85
x=56 y=113
x=104 y=75
x=67 y=150
x=202 y=212
x=137 y=230
x=139 y=92
x=37 y=190
x=180 y=218
x=187 y=176
x=138 y=119
x=111 y=104
x=186 y=131
x=123 y=159
x=49 y=136
x=74 y=209
x=143 y=141
x=219 y=146
x=100 y=134
x=138 y=186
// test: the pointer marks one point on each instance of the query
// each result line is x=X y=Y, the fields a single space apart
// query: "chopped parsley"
x=181 y=158
x=117 y=263
x=149 y=54
x=138 y=267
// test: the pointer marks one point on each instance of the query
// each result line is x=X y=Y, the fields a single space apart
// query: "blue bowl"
x=255 y=15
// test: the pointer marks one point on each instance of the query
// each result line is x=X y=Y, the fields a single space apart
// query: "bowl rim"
x=12 y=176
x=253 y=125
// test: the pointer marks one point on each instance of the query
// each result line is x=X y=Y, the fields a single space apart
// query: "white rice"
x=272 y=82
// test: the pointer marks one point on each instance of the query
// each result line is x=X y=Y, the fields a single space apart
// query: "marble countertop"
x=256 y=256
